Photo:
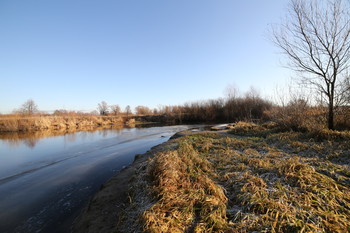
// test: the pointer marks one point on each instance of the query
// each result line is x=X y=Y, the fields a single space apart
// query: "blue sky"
x=72 y=55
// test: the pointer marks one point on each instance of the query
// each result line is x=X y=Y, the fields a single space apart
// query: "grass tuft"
x=186 y=198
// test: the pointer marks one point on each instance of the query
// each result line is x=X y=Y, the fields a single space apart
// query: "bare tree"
x=115 y=109
x=103 y=108
x=155 y=111
x=231 y=91
x=347 y=91
x=29 y=107
x=128 y=110
x=316 y=40
x=344 y=98
x=93 y=112
x=143 y=110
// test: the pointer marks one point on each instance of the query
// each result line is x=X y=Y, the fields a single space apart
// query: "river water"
x=45 y=182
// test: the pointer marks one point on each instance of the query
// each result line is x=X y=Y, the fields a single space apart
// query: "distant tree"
x=142 y=110
x=347 y=91
x=29 y=107
x=231 y=91
x=127 y=110
x=115 y=109
x=60 y=112
x=93 y=112
x=155 y=111
x=103 y=108
x=316 y=40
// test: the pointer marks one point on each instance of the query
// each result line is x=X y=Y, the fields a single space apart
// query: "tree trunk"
x=331 y=114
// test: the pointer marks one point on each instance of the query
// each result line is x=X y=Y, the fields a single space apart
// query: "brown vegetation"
x=299 y=116
x=269 y=181
x=232 y=109
x=296 y=115
x=15 y=123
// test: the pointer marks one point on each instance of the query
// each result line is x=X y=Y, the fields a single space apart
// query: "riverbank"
x=103 y=210
x=243 y=179
x=58 y=123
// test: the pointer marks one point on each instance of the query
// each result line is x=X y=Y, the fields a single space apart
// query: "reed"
x=19 y=123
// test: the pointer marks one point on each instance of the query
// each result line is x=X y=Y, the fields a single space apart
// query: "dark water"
x=44 y=183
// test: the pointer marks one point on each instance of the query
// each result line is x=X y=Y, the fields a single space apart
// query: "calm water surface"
x=45 y=182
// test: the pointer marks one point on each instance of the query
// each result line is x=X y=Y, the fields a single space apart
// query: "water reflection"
x=30 y=142
x=31 y=139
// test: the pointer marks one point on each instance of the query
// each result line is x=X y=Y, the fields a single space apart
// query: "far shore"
x=62 y=123
x=78 y=122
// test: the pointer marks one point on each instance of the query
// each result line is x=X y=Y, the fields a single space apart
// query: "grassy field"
x=247 y=179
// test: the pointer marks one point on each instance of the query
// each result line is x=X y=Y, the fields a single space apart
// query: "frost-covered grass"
x=268 y=181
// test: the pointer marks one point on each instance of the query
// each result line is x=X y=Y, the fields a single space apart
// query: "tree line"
x=248 y=107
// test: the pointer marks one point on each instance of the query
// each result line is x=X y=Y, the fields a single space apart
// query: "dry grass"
x=279 y=182
x=187 y=199
x=301 y=117
x=251 y=129
x=18 y=123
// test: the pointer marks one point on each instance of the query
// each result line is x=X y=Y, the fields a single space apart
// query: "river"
x=45 y=182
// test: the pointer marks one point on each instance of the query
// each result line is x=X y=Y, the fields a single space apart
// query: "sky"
x=72 y=55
